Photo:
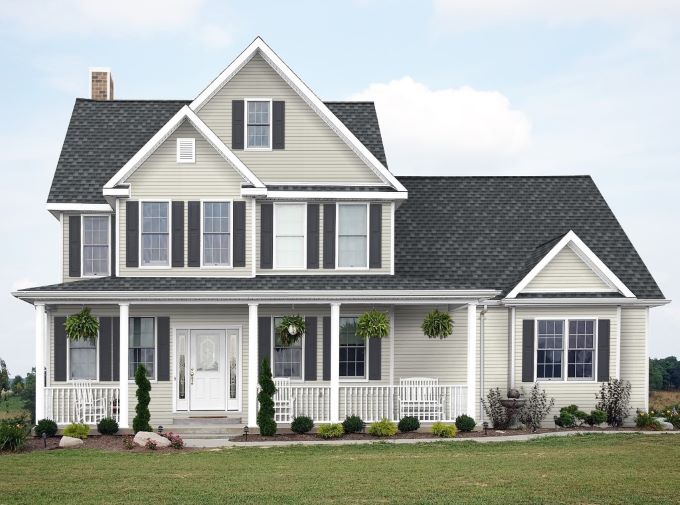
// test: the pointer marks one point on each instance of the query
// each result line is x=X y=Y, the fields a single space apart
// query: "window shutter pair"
x=278 y=119
x=374 y=354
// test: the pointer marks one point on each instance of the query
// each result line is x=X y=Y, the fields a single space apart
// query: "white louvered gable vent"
x=186 y=150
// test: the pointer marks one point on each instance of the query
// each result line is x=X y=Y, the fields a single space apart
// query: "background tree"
x=141 y=420
x=664 y=373
x=4 y=376
x=265 y=416
x=28 y=394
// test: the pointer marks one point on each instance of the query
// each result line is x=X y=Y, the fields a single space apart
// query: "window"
x=82 y=359
x=142 y=346
x=216 y=234
x=258 y=124
x=186 y=150
x=352 y=236
x=551 y=345
x=581 y=349
x=96 y=245
x=155 y=234
x=289 y=235
x=549 y=354
x=287 y=358
x=352 y=350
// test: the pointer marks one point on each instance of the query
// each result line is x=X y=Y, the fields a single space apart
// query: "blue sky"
x=507 y=87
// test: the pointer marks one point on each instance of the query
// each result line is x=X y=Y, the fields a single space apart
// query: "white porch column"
x=252 y=364
x=471 y=359
x=39 y=361
x=335 y=362
x=123 y=396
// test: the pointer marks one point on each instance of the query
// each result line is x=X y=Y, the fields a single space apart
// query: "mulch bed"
x=103 y=442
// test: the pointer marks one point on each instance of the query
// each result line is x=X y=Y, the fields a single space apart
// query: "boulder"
x=665 y=425
x=67 y=442
x=143 y=436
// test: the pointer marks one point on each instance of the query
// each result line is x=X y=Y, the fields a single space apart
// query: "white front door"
x=207 y=372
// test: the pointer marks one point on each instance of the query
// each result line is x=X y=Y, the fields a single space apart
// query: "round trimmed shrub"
x=565 y=419
x=353 y=424
x=408 y=423
x=383 y=428
x=334 y=430
x=444 y=430
x=465 y=423
x=77 y=430
x=46 y=426
x=302 y=424
x=596 y=417
x=107 y=426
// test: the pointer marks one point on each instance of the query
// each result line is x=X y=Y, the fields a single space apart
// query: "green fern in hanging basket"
x=290 y=329
x=82 y=326
x=373 y=324
x=437 y=324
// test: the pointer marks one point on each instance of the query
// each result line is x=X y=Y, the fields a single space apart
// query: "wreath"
x=437 y=324
x=82 y=326
x=373 y=324
x=291 y=329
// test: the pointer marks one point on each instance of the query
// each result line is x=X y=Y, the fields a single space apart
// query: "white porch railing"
x=64 y=404
x=301 y=400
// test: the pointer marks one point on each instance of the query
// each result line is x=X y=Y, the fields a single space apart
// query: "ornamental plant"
x=536 y=408
x=107 y=426
x=333 y=430
x=141 y=420
x=301 y=425
x=128 y=442
x=290 y=329
x=383 y=428
x=408 y=423
x=46 y=426
x=596 y=417
x=265 y=416
x=465 y=423
x=77 y=430
x=444 y=430
x=614 y=400
x=353 y=424
x=13 y=434
x=495 y=410
x=648 y=421
x=373 y=324
x=673 y=417
x=82 y=326
x=176 y=441
x=437 y=324
x=151 y=445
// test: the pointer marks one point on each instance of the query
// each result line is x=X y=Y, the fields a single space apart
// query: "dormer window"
x=258 y=124
x=186 y=150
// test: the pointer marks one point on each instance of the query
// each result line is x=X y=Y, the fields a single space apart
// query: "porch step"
x=206 y=431
x=205 y=420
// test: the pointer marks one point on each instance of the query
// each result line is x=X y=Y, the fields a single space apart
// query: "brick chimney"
x=101 y=84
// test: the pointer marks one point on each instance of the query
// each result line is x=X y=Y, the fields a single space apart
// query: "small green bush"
x=46 y=426
x=334 y=430
x=383 y=428
x=302 y=424
x=465 y=423
x=596 y=418
x=565 y=419
x=151 y=445
x=444 y=430
x=13 y=435
x=673 y=418
x=353 y=424
x=107 y=426
x=647 y=421
x=77 y=430
x=128 y=442
x=408 y=423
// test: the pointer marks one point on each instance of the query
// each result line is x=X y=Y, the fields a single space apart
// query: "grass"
x=660 y=400
x=603 y=469
x=12 y=407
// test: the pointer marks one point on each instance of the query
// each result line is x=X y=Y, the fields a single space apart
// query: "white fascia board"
x=167 y=130
x=119 y=192
x=306 y=94
x=599 y=301
x=327 y=195
x=79 y=207
x=584 y=252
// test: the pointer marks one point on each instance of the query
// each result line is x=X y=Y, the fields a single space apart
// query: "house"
x=191 y=227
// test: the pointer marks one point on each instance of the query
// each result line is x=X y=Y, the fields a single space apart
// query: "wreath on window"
x=437 y=324
x=373 y=324
x=82 y=326
x=290 y=329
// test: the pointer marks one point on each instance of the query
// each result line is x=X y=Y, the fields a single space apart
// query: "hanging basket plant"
x=373 y=324
x=437 y=324
x=291 y=329
x=82 y=326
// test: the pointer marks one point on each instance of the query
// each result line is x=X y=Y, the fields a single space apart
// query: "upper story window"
x=186 y=150
x=142 y=346
x=352 y=226
x=216 y=233
x=289 y=235
x=95 y=241
x=155 y=234
x=577 y=337
x=82 y=359
x=258 y=124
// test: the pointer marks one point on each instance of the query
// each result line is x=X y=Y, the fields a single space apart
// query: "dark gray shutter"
x=74 y=246
x=177 y=234
x=310 y=348
x=237 y=117
x=105 y=343
x=313 y=235
x=326 y=348
x=374 y=358
x=163 y=349
x=59 y=349
x=528 y=329
x=329 y=235
x=132 y=234
x=603 y=339
x=112 y=246
x=264 y=340
x=115 y=349
x=194 y=248
x=278 y=125
x=267 y=235
x=239 y=234
x=375 y=236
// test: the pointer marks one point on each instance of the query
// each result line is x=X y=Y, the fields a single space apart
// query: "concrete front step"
x=207 y=420
x=207 y=429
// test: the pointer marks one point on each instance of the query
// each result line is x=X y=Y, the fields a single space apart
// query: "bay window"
x=352 y=237
x=155 y=234
x=289 y=235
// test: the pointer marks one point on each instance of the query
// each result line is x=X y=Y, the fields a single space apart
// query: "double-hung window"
x=258 y=124
x=289 y=235
x=352 y=235
x=287 y=358
x=96 y=237
x=581 y=349
x=82 y=359
x=142 y=346
x=155 y=234
x=352 y=350
x=573 y=339
x=216 y=234
x=550 y=349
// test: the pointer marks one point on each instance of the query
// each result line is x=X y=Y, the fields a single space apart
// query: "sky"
x=509 y=87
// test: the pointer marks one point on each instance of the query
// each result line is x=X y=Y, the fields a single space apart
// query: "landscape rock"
x=143 y=436
x=665 y=425
x=67 y=442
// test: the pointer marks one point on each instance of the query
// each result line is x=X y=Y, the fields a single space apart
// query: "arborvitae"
x=141 y=420
x=265 y=416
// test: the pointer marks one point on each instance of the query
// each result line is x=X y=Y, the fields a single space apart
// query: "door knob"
x=191 y=374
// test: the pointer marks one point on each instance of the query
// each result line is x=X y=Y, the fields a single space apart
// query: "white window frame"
x=68 y=360
x=337 y=235
x=82 y=245
x=304 y=234
x=565 y=349
x=141 y=241
x=155 y=348
x=273 y=345
x=366 y=361
x=245 y=124
x=193 y=149
x=231 y=232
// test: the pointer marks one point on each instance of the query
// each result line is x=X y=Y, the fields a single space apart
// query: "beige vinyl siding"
x=313 y=152
x=634 y=359
x=567 y=271
x=496 y=326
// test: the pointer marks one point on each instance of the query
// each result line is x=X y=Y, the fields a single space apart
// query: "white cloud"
x=438 y=130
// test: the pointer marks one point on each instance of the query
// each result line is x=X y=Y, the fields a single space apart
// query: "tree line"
x=21 y=387
x=664 y=373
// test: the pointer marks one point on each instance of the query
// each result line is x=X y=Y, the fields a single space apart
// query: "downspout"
x=481 y=363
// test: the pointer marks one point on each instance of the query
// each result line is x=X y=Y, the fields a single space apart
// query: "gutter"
x=552 y=302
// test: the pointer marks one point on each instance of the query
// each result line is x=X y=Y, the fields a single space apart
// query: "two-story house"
x=190 y=227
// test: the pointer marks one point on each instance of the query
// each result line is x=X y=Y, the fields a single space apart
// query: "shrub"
x=334 y=430
x=444 y=430
x=647 y=421
x=141 y=420
x=437 y=324
x=565 y=419
x=151 y=445
x=13 y=435
x=353 y=424
x=614 y=400
x=596 y=418
x=176 y=441
x=128 y=442
x=46 y=426
x=77 y=430
x=408 y=423
x=536 y=408
x=107 y=426
x=302 y=424
x=495 y=411
x=265 y=416
x=383 y=428
x=673 y=418
x=465 y=423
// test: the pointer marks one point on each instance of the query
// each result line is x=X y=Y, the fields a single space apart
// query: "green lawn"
x=11 y=407
x=603 y=469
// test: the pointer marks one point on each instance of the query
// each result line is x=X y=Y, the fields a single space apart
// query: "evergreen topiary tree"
x=141 y=420
x=265 y=416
